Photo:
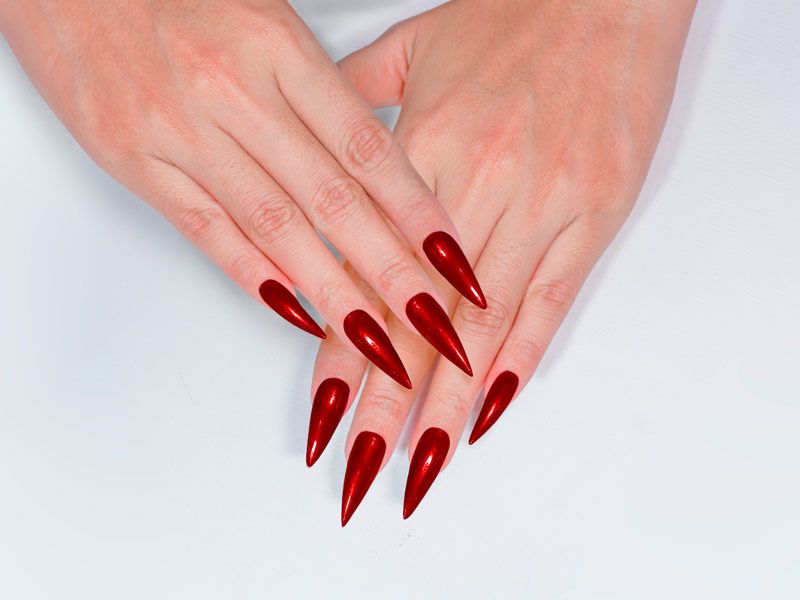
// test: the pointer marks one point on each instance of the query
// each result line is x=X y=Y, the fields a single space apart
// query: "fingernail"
x=426 y=463
x=284 y=302
x=497 y=400
x=372 y=341
x=363 y=465
x=447 y=257
x=434 y=325
x=326 y=412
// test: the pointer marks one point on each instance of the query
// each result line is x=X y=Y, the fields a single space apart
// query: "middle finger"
x=342 y=211
x=383 y=407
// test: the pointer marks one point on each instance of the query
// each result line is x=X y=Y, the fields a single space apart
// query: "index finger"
x=368 y=152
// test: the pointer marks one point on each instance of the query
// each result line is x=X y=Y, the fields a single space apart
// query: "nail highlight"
x=497 y=400
x=447 y=257
x=284 y=302
x=426 y=463
x=434 y=325
x=370 y=338
x=330 y=402
x=363 y=465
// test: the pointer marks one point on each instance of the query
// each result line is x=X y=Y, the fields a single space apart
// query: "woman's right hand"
x=230 y=119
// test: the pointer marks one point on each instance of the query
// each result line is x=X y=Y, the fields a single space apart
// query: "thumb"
x=378 y=71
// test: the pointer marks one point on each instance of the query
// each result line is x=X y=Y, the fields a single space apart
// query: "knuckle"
x=582 y=255
x=368 y=145
x=484 y=322
x=383 y=405
x=524 y=350
x=336 y=200
x=393 y=269
x=198 y=223
x=272 y=219
x=279 y=30
x=452 y=401
x=554 y=295
x=207 y=64
x=533 y=216
x=416 y=209
x=245 y=268
x=330 y=296
x=499 y=148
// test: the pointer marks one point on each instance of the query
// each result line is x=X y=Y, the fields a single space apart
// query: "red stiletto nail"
x=447 y=257
x=372 y=341
x=434 y=325
x=426 y=463
x=326 y=412
x=497 y=400
x=363 y=465
x=284 y=302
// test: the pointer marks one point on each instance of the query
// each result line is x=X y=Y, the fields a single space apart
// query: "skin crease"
x=230 y=119
x=535 y=122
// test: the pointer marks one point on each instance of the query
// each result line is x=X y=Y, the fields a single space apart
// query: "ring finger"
x=506 y=265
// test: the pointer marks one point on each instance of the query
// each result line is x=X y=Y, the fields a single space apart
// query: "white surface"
x=153 y=418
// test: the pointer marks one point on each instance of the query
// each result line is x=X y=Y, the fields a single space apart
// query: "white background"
x=153 y=418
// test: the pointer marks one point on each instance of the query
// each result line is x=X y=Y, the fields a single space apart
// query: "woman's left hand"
x=534 y=121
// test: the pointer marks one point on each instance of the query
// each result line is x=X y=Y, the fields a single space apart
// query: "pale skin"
x=231 y=120
x=534 y=122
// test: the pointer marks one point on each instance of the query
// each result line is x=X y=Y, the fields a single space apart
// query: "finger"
x=206 y=224
x=274 y=223
x=338 y=372
x=506 y=263
x=549 y=296
x=378 y=71
x=384 y=407
x=379 y=417
x=368 y=152
x=340 y=209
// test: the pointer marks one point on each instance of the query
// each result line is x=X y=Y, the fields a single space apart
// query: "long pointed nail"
x=426 y=463
x=497 y=400
x=372 y=341
x=284 y=302
x=434 y=325
x=326 y=412
x=447 y=257
x=363 y=465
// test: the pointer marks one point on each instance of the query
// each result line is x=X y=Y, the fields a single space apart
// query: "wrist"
x=662 y=22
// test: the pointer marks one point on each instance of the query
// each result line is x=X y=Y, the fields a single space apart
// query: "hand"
x=535 y=122
x=230 y=119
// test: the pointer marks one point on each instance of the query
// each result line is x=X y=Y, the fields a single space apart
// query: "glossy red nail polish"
x=284 y=302
x=434 y=325
x=372 y=341
x=426 y=463
x=447 y=257
x=497 y=400
x=326 y=412
x=363 y=465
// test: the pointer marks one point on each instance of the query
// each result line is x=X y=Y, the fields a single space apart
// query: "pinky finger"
x=206 y=224
x=549 y=296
